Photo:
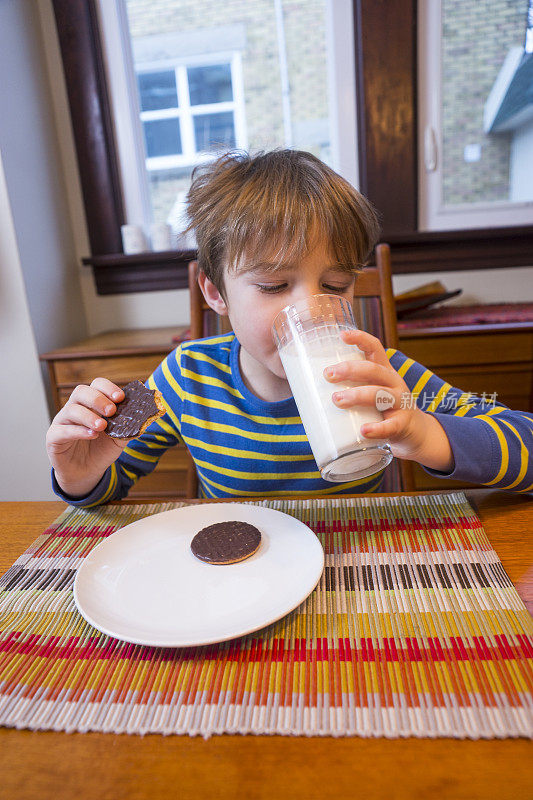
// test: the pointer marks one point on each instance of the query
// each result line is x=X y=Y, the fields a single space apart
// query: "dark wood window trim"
x=385 y=38
x=144 y=272
x=385 y=49
x=77 y=28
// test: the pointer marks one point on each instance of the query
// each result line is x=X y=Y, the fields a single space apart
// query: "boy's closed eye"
x=330 y=287
x=272 y=288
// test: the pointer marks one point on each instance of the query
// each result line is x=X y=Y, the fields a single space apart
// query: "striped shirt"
x=247 y=447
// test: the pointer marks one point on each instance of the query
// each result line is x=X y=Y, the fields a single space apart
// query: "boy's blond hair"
x=245 y=207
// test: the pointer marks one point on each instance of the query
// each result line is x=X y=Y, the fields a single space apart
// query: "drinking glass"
x=307 y=335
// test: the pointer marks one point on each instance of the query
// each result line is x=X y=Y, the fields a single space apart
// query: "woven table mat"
x=413 y=630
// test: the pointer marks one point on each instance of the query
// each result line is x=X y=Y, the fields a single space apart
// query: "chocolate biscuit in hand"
x=140 y=407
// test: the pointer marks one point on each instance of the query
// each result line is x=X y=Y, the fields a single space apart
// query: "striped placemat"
x=413 y=630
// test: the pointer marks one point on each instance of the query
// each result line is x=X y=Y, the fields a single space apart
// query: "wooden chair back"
x=374 y=310
x=204 y=321
x=374 y=306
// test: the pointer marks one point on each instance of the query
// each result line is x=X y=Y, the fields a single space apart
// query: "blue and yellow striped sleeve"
x=491 y=444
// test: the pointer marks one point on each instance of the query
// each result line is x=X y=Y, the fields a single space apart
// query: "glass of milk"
x=307 y=335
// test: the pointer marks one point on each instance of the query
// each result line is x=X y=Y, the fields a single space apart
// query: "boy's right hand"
x=78 y=449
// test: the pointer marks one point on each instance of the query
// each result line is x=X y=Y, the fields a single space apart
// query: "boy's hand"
x=412 y=433
x=78 y=449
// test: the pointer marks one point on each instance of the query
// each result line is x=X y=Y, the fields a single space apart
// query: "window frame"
x=388 y=155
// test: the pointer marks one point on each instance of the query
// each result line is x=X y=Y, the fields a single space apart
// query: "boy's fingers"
x=63 y=434
x=364 y=372
x=108 y=388
x=395 y=427
x=370 y=345
x=77 y=414
x=376 y=396
x=387 y=429
x=91 y=397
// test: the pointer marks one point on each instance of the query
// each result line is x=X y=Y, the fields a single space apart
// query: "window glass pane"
x=487 y=130
x=162 y=137
x=272 y=67
x=157 y=90
x=214 y=131
x=210 y=84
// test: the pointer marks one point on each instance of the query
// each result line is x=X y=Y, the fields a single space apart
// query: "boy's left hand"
x=412 y=433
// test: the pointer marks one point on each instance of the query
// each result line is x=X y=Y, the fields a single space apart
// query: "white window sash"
x=187 y=128
x=342 y=88
x=194 y=111
x=160 y=113
x=128 y=131
x=237 y=81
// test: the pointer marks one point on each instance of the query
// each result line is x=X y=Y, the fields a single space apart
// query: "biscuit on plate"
x=226 y=542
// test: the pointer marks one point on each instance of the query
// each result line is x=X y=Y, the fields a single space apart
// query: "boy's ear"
x=213 y=298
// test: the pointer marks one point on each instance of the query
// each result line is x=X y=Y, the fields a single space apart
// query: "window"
x=387 y=129
x=199 y=118
x=194 y=78
x=388 y=133
x=475 y=120
x=188 y=112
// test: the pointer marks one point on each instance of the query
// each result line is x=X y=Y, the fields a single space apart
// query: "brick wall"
x=477 y=35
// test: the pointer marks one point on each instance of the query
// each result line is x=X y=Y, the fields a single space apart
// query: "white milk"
x=331 y=431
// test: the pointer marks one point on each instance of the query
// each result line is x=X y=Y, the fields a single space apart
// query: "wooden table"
x=46 y=765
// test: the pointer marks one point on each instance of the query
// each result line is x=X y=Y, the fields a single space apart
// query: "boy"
x=272 y=229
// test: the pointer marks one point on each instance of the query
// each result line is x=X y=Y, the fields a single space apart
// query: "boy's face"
x=255 y=294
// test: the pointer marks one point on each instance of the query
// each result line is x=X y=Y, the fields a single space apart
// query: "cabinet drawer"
x=119 y=370
x=511 y=382
x=169 y=478
x=489 y=348
x=160 y=485
x=423 y=481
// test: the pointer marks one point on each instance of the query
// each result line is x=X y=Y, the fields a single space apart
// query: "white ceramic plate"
x=144 y=585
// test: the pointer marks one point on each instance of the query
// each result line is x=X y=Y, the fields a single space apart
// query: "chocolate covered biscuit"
x=226 y=542
x=140 y=407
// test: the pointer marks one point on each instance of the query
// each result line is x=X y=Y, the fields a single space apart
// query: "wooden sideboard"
x=122 y=356
x=483 y=358
x=478 y=358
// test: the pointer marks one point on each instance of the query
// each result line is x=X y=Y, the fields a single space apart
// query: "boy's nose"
x=306 y=293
